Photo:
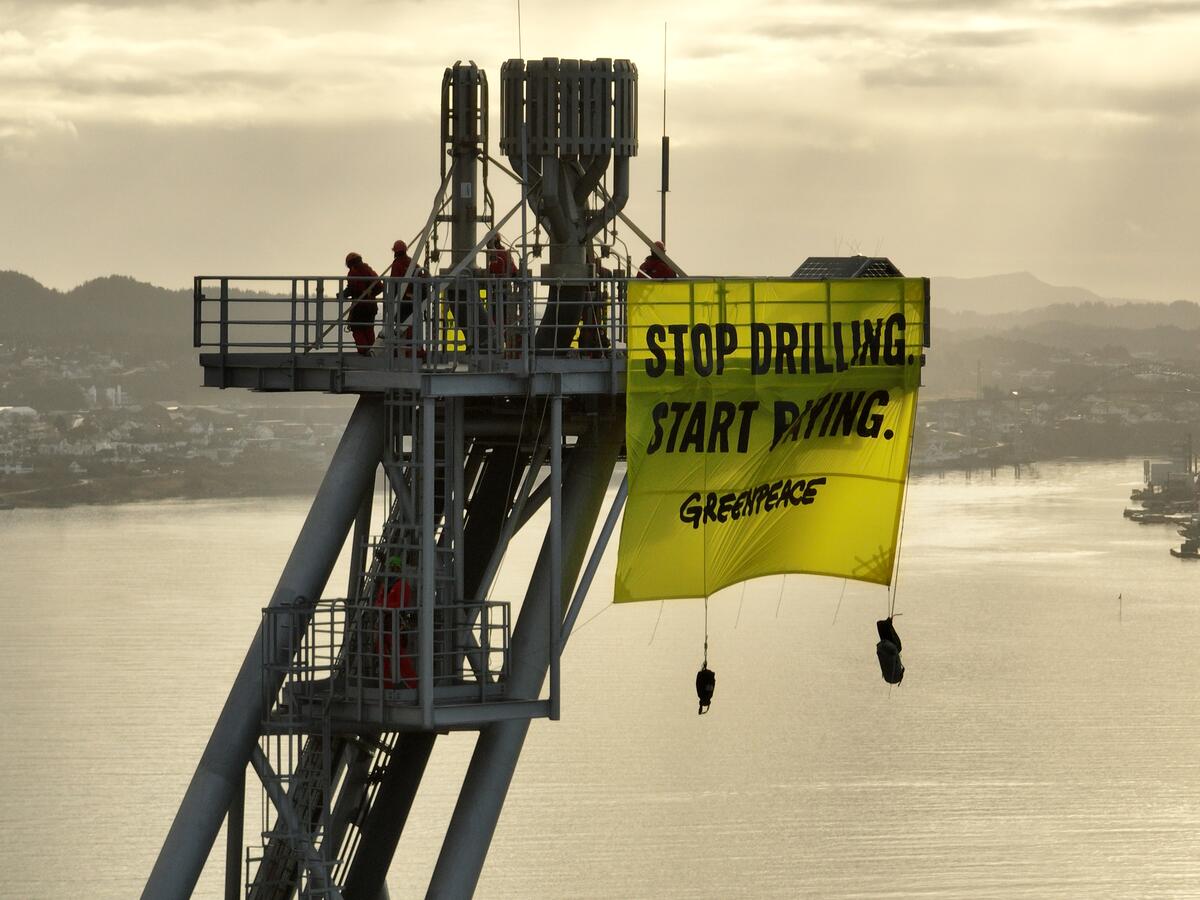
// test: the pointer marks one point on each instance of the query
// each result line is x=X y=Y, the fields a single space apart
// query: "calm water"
x=1044 y=743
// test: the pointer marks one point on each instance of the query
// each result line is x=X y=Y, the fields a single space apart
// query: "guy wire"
x=903 y=516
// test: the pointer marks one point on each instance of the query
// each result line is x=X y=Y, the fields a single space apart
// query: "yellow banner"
x=768 y=428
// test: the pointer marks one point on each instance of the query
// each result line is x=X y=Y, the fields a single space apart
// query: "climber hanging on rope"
x=706 y=678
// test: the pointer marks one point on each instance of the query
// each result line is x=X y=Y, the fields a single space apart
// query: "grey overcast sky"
x=959 y=137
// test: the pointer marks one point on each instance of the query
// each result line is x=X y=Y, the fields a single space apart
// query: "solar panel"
x=819 y=268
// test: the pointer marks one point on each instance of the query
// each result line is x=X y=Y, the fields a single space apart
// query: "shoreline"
x=119 y=489
x=126 y=489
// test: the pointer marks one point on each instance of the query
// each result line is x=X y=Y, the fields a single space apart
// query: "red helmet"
x=399 y=247
x=352 y=258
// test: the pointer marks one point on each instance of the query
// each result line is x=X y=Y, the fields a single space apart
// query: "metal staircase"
x=410 y=650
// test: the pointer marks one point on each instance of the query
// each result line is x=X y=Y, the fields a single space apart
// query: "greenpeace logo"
x=721 y=508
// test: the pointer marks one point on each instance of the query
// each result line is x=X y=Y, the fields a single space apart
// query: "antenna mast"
x=666 y=148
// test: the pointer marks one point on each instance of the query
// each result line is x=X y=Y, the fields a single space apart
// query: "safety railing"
x=418 y=324
x=363 y=656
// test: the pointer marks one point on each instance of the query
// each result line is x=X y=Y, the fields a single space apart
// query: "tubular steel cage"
x=357 y=661
x=463 y=379
x=423 y=324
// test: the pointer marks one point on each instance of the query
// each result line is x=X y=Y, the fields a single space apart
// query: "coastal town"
x=1024 y=427
x=89 y=426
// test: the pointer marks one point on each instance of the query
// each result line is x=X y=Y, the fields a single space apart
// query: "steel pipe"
x=495 y=758
x=222 y=765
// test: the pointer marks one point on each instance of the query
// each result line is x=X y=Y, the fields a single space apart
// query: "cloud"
x=709 y=49
x=12 y=41
x=32 y=134
x=845 y=110
x=1171 y=102
x=81 y=66
x=985 y=38
x=933 y=70
x=231 y=62
x=220 y=5
x=956 y=7
x=180 y=86
x=1128 y=12
x=801 y=31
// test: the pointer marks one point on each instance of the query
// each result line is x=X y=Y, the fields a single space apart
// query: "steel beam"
x=274 y=879
x=318 y=868
x=222 y=765
x=495 y=490
x=554 y=610
x=537 y=499
x=382 y=830
x=358 y=758
x=495 y=758
x=385 y=822
x=510 y=525
x=428 y=580
x=358 y=549
x=234 y=889
x=340 y=374
x=589 y=573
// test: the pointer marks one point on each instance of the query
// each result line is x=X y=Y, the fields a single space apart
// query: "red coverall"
x=398 y=270
x=399 y=596
x=364 y=309
x=654 y=267
x=504 y=314
x=501 y=263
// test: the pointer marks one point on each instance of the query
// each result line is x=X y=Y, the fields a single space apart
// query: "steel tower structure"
x=477 y=411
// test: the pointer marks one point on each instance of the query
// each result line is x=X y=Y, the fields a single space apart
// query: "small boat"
x=1157 y=517
x=1189 y=550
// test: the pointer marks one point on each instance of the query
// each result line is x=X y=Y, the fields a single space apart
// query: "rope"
x=579 y=628
x=742 y=600
x=512 y=472
x=430 y=225
x=903 y=510
x=705 y=633
x=661 y=604
x=838 y=608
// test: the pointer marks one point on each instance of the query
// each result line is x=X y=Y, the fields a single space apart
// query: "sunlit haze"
x=958 y=138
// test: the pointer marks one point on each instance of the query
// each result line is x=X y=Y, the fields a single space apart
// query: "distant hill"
x=107 y=313
x=1180 y=314
x=1005 y=323
x=1162 y=342
x=141 y=321
x=1009 y=293
x=1020 y=308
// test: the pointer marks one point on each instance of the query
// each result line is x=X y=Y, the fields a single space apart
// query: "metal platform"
x=351 y=666
x=348 y=373
x=445 y=337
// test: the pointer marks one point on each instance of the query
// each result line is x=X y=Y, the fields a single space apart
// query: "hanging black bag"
x=888 y=651
x=706 y=683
